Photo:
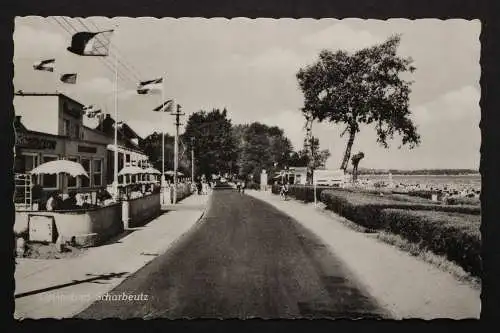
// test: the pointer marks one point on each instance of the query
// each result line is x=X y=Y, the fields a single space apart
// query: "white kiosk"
x=263 y=180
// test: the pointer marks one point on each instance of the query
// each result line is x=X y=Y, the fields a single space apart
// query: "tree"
x=214 y=145
x=355 y=162
x=361 y=88
x=302 y=158
x=152 y=144
x=260 y=147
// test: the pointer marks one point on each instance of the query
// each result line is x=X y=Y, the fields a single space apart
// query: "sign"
x=34 y=142
x=41 y=228
x=328 y=177
x=87 y=149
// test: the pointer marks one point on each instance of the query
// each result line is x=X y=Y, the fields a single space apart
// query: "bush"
x=252 y=186
x=302 y=192
x=462 y=201
x=456 y=236
x=365 y=209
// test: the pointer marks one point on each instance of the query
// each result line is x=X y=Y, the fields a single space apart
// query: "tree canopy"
x=361 y=88
x=152 y=144
x=214 y=145
x=259 y=147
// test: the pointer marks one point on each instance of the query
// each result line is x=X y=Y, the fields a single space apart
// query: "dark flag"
x=146 y=87
x=45 y=65
x=87 y=43
x=69 y=78
x=162 y=107
x=91 y=111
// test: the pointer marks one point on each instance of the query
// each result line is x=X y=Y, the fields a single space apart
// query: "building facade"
x=50 y=126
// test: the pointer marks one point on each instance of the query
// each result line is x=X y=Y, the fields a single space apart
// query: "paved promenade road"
x=243 y=259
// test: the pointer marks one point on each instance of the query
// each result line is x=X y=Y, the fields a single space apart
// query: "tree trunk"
x=347 y=153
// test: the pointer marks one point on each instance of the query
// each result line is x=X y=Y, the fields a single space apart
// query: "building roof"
x=57 y=93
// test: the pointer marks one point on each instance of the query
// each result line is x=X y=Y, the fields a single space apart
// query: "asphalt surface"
x=243 y=259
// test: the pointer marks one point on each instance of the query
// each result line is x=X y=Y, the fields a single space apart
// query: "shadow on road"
x=128 y=231
x=97 y=278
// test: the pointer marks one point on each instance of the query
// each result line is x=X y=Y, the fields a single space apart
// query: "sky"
x=249 y=66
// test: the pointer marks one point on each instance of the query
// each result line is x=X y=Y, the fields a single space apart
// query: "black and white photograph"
x=238 y=168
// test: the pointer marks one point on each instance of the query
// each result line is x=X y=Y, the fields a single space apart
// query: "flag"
x=149 y=86
x=87 y=43
x=91 y=112
x=45 y=65
x=69 y=78
x=169 y=104
x=183 y=148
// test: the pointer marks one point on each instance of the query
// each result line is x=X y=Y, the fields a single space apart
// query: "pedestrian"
x=198 y=185
x=243 y=186
x=70 y=202
x=54 y=202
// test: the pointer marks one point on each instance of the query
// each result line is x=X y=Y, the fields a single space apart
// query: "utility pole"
x=177 y=115
x=192 y=159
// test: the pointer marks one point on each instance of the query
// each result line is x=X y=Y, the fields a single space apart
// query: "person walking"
x=54 y=202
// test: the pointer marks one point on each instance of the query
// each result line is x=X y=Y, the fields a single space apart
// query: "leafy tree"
x=214 y=145
x=302 y=158
x=260 y=147
x=361 y=88
x=152 y=145
x=355 y=162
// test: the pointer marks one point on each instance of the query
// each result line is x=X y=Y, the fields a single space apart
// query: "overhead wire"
x=125 y=62
x=103 y=60
x=70 y=29
x=127 y=69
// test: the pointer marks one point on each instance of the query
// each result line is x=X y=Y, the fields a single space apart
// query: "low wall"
x=89 y=227
x=137 y=211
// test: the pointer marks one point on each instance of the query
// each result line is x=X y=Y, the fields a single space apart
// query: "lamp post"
x=192 y=159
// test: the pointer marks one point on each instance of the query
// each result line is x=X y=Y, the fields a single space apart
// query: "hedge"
x=365 y=209
x=301 y=192
x=456 y=236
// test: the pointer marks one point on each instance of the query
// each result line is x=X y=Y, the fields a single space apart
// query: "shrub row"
x=365 y=209
x=301 y=192
x=456 y=236
x=252 y=186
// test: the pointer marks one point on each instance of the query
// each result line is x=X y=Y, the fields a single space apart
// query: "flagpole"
x=163 y=134
x=115 y=178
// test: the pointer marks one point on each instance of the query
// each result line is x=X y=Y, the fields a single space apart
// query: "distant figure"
x=199 y=186
x=243 y=186
x=284 y=191
x=70 y=202
x=54 y=202
x=238 y=186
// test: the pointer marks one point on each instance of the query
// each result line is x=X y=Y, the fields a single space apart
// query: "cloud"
x=340 y=36
x=37 y=43
x=277 y=59
x=145 y=127
x=98 y=85
x=455 y=105
x=292 y=122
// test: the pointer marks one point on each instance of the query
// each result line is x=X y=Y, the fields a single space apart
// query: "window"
x=127 y=158
x=27 y=162
x=66 y=129
x=30 y=162
x=50 y=181
x=120 y=161
x=86 y=165
x=77 y=131
x=97 y=173
x=72 y=181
